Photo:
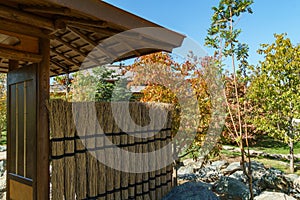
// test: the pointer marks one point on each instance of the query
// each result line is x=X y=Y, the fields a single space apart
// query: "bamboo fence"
x=77 y=174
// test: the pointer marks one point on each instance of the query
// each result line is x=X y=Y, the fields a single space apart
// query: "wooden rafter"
x=61 y=66
x=92 y=43
x=70 y=60
x=76 y=49
x=102 y=31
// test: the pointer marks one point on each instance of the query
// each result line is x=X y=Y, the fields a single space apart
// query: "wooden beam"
x=148 y=43
x=65 y=57
x=26 y=18
x=29 y=30
x=71 y=20
x=43 y=136
x=13 y=64
x=93 y=43
x=98 y=30
x=47 y=10
x=19 y=55
x=26 y=43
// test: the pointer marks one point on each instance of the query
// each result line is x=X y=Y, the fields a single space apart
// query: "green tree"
x=99 y=84
x=223 y=36
x=275 y=90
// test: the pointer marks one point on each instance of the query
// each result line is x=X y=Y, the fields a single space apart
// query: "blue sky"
x=192 y=18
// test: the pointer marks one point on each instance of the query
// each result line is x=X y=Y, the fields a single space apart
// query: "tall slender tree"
x=223 y=37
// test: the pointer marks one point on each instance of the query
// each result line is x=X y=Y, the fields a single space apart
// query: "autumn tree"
x=157 y=72
x=64 y=83
x=223 y=36
x=275 y=90
x=2 y=103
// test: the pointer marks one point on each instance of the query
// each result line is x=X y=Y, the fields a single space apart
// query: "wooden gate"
x=22 y=132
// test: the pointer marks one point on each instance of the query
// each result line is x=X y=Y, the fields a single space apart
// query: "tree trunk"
x=291 y=155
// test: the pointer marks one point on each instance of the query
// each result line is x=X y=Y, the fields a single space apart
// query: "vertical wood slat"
x=100 y=143
x=109 y=171
x=131 y=148
x=20 y=130
x=57 y=130
x=12 y=138
x=70 y=176
x=81 y=160
x=139 y=148
x=30 y=127
x=92 y=166
x=158 y=160
x=124 y=175
x=164 y=157
x=169 y=141
x=152 y=148
x=145 y=149
x=117 y=158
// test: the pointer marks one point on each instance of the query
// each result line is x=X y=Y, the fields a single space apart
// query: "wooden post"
x=43 y=138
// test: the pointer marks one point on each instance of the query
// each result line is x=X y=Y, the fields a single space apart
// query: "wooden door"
x=22 y=133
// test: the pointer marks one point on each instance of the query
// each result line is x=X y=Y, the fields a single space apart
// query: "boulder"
x=218 y=165
x=2 y=167
x=258 y=170
x=191 y=191
x=232 y=167
x=240 y=176
x=274 y=179
x=185 y=170
x=2 y=148
x=293 y=177
x=274 y=196
x=230 y=188
x=3 y=183
x=208 y=175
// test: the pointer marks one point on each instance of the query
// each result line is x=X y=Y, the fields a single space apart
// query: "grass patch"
x=272 y=146
x=3 y=139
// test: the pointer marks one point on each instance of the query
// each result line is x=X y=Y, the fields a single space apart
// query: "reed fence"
x=77 y=174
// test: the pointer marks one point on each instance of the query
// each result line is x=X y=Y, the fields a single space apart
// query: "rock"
x=191 y=191
x=274 y=179
x=274 y=196
x=187 y=177
x=220 y=164
x=193 y=164
x=292 y=177
x=3 y=196
x=185 y=170
x=240 y=176
x=232 y=167
x=230 y=188
x=2 y=167
x=208 y=175
x=188 y=161
x=2 y=148
x=3 y=183
x=258 y=170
